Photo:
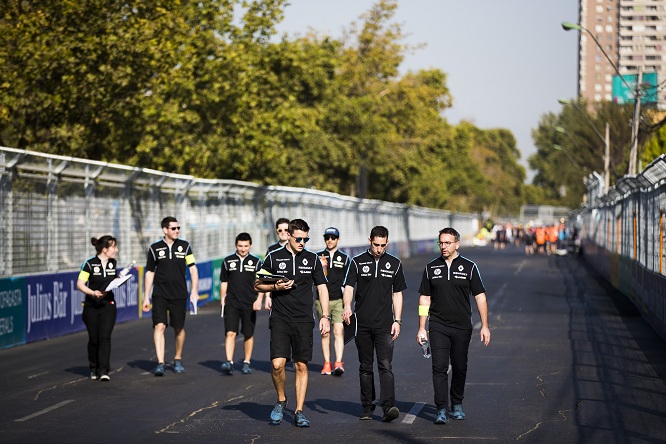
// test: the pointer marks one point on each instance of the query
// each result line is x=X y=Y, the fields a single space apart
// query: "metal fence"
x=50 y=207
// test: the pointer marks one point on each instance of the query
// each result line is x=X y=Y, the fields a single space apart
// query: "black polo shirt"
x=170 y=265
x=239 y=273
x=295 y=305
x=98 y=277
x=337 y=270
x=450 y=290
x=376 y=280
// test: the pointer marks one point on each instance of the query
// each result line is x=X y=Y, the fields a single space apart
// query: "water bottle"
x=425 y=345
x=127 y=269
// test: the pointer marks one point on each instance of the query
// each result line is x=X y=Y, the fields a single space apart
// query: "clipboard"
x=117 y=282
x=351 y=329
x=267 y=278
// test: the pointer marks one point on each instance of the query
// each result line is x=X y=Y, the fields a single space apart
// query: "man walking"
x=240 y=301
x=291 y=321
x=446 y=286
x=166 y=266
x=335 y=267
x=379 y=280
x=281 y=229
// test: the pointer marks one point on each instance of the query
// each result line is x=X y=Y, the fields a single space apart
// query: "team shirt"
x=275 y=246
x=239 y=273
x=294 y=305
x=98 y=277
x=376 y=280
x=170 y=265
x=450 y=290
x=337 y=270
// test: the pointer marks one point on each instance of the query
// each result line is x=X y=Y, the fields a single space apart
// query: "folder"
x=351 y=329
x=117 y=282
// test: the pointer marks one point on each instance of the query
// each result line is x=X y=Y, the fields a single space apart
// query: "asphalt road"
x=570 y=360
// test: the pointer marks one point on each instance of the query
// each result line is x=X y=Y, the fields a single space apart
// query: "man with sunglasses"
x=379 y=280
x=446 y=287
x=291 y=319
x=282 y=230
x=335 y=267
x=166 y=266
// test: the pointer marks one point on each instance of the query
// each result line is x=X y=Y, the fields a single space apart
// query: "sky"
x=507 y=61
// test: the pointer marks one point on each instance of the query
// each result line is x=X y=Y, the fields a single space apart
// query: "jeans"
x=100 y=320
x=448 y=343
x=368 y=341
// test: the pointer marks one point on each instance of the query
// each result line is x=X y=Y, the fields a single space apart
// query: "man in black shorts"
x=166 y=267
x=292 y=321
x=379 y=279
x=240 y=301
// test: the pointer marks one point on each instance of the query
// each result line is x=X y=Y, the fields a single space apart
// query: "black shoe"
x=391 y=414
x=367 y=414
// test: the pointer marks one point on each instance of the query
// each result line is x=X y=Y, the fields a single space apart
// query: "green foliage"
x=207 y=88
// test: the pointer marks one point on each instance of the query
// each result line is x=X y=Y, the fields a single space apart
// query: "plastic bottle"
x=127 y=269
x=425 y=345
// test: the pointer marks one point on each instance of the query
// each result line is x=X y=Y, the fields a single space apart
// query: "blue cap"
x=332 y=232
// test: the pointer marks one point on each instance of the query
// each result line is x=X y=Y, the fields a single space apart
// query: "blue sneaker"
x=441 y=416
x=457 y=412
x=246 y=370
x=228 y=368
x=277 y=413
x=300 y=420
x=178 y=366
x=159 y=370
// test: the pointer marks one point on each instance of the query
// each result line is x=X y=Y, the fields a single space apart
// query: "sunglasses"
x=301 y=239
x=329 y=237
x=174 y=228
x=281 y=230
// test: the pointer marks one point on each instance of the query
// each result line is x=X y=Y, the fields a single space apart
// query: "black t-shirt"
x=275 y=246
x=450 y=290
x=240 y=274
x=295 y=305
x=337 y=270
x=376 y=280
x=98 y=277
x=170 y=265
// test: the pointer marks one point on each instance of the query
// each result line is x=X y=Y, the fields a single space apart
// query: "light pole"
x=605 y=140
x=633 y=155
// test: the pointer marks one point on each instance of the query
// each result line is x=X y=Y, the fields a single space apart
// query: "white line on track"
x=411 y=416
x=46 y=410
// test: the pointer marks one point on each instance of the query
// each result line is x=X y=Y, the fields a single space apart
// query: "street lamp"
x=633 y=156
x=605 y=140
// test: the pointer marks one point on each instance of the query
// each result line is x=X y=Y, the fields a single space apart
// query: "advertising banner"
x=12 y=312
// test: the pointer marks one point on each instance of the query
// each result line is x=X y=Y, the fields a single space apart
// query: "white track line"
x=411 y=416
x=46 y=410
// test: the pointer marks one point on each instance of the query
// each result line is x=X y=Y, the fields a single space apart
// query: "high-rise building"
x=633 y=35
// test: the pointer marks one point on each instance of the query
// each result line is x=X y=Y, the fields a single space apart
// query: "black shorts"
x=233 y=316
x=291 y=340
x=176 y=309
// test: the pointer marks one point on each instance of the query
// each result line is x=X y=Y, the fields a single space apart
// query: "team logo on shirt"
x=161 y=253
x=388 y=266
x=110 y=266
x=282 y=266
x=437 y=272
x=460 y=268
x=305 y=261
x=339 y=259
x=180 y=248
x=249 y=262
x=96 y=269
x=232 y=264
x=366 y=269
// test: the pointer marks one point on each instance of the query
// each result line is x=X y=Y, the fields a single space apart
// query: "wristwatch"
x=398 y=321
x=329 y=317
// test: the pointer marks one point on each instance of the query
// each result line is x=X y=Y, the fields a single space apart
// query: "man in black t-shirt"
x=240 y=301
x=282 y=231
x=379 y=280
x=446 y=287
x=292 y=320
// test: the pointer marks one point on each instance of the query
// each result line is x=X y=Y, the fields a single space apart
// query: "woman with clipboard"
x=99 y=307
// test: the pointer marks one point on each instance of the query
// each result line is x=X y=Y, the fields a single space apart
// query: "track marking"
x=411 y=416
x=46 y=410
x=520 y=267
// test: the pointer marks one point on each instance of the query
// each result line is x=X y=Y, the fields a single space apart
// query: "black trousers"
x=448 y=343
x=100 y=320
x=368 y=341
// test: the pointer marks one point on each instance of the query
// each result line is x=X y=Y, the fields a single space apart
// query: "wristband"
x=423 y=310
x=274 y=285
x=398 y=321
x=329 y=317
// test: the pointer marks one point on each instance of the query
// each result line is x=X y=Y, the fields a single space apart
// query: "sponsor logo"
x=365 y=269
x=161 y=253
x=460 y=268
x=388 y=266
x=282 y=266
x=305 y=261
x=250 y=262
x=96 y=269
x=180 y=248
x=232 y=264
x=437 y=272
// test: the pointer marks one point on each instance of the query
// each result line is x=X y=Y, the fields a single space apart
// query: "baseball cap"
x=332 y=232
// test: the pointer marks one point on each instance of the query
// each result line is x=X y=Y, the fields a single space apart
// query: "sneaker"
x=338 y=368
x=457 y=412
x=391 y=414
x=178 y=366
x=159 y=370
x=276 y=414
x=367 y=413
x=300 y=420
x=327 y=369
x=441 y=416
x=246 y=370
x=93 y=375
x=228 y=368
x=104 y=377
